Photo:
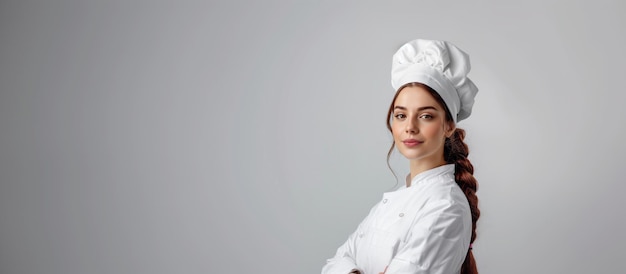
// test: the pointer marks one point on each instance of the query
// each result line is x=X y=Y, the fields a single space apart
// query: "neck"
x=419 y=166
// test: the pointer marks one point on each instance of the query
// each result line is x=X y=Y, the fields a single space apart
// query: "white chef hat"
x=441 y=66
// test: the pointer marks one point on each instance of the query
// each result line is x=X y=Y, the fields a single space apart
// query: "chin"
x=411 y=155
x=416 y=154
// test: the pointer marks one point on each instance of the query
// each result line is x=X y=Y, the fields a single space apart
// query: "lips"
x=411 y=142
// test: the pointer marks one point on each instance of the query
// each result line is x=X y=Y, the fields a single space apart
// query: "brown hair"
x=455 y=152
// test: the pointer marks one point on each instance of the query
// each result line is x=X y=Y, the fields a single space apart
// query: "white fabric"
x=424 y=228
x=441 y=66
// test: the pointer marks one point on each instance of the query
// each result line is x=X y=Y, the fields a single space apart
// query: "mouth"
x=411 y=142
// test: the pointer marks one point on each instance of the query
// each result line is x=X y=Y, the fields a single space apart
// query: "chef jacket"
x=423 y=228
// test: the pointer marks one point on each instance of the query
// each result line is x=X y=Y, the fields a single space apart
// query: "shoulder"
x=443 y=190
x=443 y=203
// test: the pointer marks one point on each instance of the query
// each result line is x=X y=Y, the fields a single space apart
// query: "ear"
x=449 y=128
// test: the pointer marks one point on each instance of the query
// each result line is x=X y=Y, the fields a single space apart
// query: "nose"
x=411 y=127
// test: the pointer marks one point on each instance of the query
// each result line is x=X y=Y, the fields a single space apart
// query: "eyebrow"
x=418 y=109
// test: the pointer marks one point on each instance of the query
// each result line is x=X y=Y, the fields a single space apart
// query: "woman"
x=429 y=225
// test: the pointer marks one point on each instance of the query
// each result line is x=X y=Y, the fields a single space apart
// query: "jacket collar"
x=428 y=174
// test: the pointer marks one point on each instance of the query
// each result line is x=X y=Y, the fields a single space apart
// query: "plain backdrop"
x=249 y=136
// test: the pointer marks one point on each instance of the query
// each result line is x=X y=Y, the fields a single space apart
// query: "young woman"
x=429 y=225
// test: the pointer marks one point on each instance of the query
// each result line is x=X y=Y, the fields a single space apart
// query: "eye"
x=400 y=116
x=426 y=116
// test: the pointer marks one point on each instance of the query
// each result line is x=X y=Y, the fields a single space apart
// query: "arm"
x=437 y=242
x=344 y=260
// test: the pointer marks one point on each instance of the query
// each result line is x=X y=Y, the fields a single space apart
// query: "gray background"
x=228 y=136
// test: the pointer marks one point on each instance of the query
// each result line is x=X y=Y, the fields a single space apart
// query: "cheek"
x=395 y=130
x=433 y=130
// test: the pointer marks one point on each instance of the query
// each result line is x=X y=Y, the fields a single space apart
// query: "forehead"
x=415 y=97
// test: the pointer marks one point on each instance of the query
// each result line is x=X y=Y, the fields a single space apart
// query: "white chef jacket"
x=424 y=228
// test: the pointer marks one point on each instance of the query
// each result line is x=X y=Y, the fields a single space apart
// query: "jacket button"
x=401 y=215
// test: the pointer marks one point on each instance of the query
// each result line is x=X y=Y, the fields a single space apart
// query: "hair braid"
x=456 y=152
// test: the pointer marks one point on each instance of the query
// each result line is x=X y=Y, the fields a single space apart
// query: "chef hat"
x=441 y=66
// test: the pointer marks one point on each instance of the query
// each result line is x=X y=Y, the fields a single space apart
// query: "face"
x=419 y=126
